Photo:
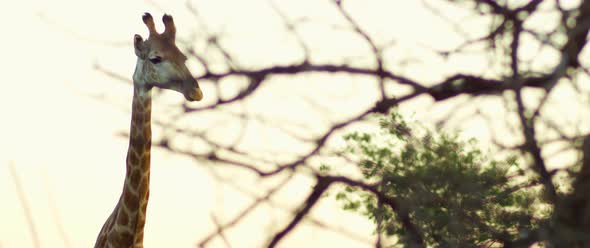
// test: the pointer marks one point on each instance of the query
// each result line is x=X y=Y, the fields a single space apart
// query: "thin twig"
x=26 y=207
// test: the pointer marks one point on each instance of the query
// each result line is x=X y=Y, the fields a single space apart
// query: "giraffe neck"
x=124 y=228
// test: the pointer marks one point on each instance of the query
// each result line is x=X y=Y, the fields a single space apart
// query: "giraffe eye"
x=156 y=60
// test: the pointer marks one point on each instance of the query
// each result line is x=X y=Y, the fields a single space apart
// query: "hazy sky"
x=64 y=143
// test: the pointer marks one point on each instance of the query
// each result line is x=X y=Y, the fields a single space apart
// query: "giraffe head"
x=160 y=63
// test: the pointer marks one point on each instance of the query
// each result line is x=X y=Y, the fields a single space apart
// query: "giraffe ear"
x=138 y=45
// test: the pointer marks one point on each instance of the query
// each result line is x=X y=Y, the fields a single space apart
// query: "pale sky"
x=63 y=141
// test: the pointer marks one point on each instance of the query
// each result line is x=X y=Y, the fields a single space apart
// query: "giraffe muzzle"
x=196 y=95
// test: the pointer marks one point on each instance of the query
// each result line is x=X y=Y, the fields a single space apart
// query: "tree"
x=535 y=58
x=452 y=192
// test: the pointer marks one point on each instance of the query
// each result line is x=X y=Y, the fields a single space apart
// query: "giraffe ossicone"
x=159 y=64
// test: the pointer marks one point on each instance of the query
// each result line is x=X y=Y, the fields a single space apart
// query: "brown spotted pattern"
x=124 y=228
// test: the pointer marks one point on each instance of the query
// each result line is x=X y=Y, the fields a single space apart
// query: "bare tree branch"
x=26 y=207
x=311 y=200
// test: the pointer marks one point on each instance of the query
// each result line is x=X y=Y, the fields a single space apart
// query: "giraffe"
x=159 y=64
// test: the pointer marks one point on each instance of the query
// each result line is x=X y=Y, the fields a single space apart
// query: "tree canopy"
x=455 y=194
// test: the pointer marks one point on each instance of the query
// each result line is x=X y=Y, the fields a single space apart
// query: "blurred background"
x=283 y=81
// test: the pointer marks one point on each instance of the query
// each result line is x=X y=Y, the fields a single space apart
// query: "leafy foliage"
x=452 y=192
